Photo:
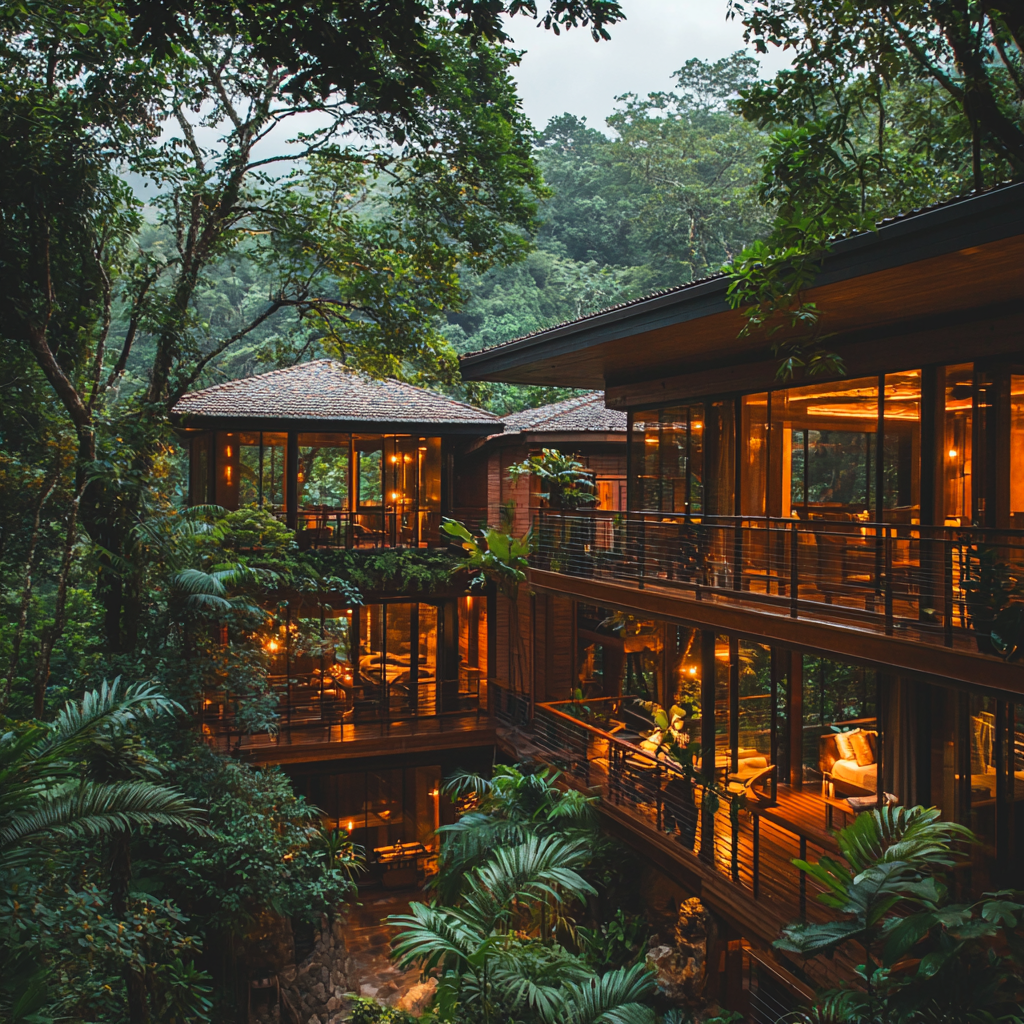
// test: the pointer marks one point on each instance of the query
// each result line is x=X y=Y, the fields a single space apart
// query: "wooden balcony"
x=323 y=723
x=386 y=526
x=740 y=861
x=899 y=594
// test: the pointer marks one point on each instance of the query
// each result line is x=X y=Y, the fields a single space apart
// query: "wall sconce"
x=227 y=451
x=952 y=453
x=227 y=474
x=394 y=458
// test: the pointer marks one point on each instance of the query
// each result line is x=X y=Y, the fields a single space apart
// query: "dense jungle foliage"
x=352 y=180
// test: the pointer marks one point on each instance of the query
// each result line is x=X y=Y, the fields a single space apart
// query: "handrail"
x=880 y=575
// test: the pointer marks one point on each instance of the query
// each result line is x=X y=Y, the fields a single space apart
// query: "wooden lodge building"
x=379 y=701
x=825 y=577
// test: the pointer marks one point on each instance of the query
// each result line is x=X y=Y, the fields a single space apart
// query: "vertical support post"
x=734 y=704
x=803 y=881
x=887 y=532
x=414 y=657
x=773 y=655
x=291 y=501
x=794 y=571
x=707 y=736
x=1003 y=783
x=757 y=853
x=630 y=487
x=261 y=471
x=796 y=719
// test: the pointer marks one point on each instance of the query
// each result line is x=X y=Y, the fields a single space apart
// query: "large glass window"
x=901 y=477
x=324 y=471
x=827 y=448
x=261 y=469
x=838 y=701
x=1016 y=452
x=957 y=448
x=669 y=462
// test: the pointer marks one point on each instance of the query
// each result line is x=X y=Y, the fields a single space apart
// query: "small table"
x=833 y=803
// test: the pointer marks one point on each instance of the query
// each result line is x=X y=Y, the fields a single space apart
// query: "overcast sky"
x=571 y=73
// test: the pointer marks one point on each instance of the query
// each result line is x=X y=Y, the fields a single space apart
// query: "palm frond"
x=432 y=937
x=96 y=809
x=617 y=997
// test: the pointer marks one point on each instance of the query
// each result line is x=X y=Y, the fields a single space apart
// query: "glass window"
x=827 y=448
x=261 y=469
x=755 y=455
x=669 y=461
x=839 y=698
x=719 y=455
x=755 y=703
x=199 y=470
x=901 y=472
x=324 y=470
x=957 y=444
x=370 y=459
x=1016 y=452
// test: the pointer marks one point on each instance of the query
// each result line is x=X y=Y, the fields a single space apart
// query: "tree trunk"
x=26 y=590
x=120 y=882
x=53 y=632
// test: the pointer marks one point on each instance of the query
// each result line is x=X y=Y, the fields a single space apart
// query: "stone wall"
x=314 y=991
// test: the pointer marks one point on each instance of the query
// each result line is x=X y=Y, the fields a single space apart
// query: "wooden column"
x=734 y=703
x=795 y=706
x=707 y=733
x=291 y=501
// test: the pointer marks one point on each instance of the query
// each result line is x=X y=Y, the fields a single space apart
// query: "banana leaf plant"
x=501 y=558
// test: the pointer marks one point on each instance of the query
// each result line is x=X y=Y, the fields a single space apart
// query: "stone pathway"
x=369 y=954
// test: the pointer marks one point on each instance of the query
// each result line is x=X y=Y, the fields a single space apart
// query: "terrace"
x=935 y=586
x=741 y=856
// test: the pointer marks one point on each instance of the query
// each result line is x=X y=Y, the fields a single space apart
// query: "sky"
x=571 y=73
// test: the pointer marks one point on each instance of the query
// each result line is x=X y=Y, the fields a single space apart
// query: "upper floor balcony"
x=344 y=460
x=948 y=590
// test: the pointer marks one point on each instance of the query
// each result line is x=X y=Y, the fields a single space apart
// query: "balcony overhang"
x=962 y=259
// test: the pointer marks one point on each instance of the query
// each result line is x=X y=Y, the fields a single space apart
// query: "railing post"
x=642 y=552
x=803 y=881
x=947 y=593
x=734 y=823
x=757 y=853
x=888 y=580
x=794 y=572
x=737 y=556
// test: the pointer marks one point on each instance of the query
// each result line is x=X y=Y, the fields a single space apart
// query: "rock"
x=369 y=991
x=418 y=998
x=337 y=978
x=333 y=1003
x=338 y=929
x=389 y=988
x=288 y=974
x=681 y=968
x=313 y=1020
x=325 y=976
x=319 y=946
x=339 y=991
x=319 y=993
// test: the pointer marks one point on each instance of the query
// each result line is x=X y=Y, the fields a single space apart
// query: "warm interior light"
x=394 y=458
x=350 y=824
x=697 y=425
x=227 y=451
x=394 y=495
x=227 y=473
x=952 y=453
x=272 y=646
x=434 y=792
x=423 y=449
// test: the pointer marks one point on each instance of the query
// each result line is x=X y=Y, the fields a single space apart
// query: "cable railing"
x=945 y=585
x=750 y=845
x=385 y=526
x=309 y=712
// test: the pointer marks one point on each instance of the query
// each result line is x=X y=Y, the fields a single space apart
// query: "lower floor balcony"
x=735 y=850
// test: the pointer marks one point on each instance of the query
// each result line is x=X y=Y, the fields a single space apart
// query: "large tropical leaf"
x=432 y=936
x=618 y=997
x=915 y=835
x=531 y=975
x=95 y=809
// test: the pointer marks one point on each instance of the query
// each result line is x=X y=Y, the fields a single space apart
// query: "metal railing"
x=310 y=712
x=751 y=845
x=386 y=526
x=946 y=585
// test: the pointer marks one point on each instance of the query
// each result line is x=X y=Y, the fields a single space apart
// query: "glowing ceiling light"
x=952 y=453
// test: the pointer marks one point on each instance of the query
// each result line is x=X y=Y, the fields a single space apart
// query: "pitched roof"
x=326 y=391
x=584 y=413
